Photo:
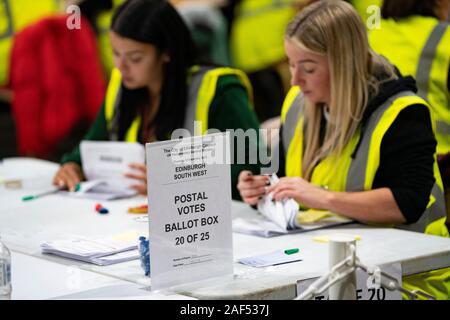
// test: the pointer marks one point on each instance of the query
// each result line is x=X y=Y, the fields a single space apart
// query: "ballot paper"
x=284 y=217
x=105 y=164
x=99 y=251
x=260 y=226
x=270 y=259
x=99 y=190
x=282 y=213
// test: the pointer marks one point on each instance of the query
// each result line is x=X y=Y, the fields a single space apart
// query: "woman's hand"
x=68 y=176
x=301 y=191
x=140 y=174
x=251 y=187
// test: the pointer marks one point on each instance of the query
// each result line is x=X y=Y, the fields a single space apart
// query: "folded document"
x=100 y=251
x=283 y=217
x=261 y=226
x=105 y=164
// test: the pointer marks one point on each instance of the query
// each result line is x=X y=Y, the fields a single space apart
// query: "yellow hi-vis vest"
x=420 y=46
x=258 y=31
x=103 y=25
x=347 y=174
x=358 y=174
x=201 y=92
x=14 y=16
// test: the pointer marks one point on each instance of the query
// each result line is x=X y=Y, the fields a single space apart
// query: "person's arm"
x=402 y=184
x=71 y=173
x=97 y=132
x=230 y=109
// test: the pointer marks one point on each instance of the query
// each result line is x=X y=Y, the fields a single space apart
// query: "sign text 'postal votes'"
x=189 y=193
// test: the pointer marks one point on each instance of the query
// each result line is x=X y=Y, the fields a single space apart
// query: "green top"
x=229 y=109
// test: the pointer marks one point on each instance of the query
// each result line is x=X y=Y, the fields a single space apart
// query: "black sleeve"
x=406 y=161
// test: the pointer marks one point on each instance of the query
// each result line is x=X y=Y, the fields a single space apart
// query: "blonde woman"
x=355 y=138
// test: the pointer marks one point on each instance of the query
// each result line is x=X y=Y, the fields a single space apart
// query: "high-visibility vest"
x=420 y=47
x=104 y=45
x=257 y=34
x=14 y=16
x=345 y=173
x=201 y=92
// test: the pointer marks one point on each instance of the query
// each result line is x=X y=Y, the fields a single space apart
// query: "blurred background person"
x=14 y=16
x=415 y=37
x=256 y=44
x=24 y=17
x=57 y=81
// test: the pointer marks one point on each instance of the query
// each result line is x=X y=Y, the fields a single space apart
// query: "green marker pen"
x=32 y=197
x=291 y=251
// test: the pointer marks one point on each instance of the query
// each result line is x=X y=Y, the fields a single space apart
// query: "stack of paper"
x=101 y=252
x=270 y=259
x=261 y=226
x=99 y=190
x=283 y=217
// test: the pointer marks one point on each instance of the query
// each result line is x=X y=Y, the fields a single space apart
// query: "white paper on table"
x=99 y=190
x=100 y=251
x=270 y=259
x=108 y=161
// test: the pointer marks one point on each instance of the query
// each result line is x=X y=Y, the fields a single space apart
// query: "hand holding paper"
x=68 y=175
x=283 y=217
x=282 y=213
x=301 y=191
x=106 y=165
x=139 y=173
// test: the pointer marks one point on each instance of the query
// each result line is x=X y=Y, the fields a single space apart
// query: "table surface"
x=25 y=225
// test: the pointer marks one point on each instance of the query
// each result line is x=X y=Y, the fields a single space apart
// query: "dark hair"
x=397 y=9
x=92 y=8
x=158 y=23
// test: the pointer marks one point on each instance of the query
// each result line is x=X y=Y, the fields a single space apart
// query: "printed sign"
x=189 y=194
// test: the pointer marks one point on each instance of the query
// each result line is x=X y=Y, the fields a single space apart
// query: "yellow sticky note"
x=326 y=238
x=312 y=216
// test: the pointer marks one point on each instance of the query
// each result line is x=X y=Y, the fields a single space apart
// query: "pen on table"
x=39 y=195
x=291 y=251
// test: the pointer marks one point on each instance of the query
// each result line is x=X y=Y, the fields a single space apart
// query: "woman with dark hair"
x=158 y=87
x=415 y=37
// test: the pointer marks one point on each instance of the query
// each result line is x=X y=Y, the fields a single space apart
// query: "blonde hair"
x=334 y=29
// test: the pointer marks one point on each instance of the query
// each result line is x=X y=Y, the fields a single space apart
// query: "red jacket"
x=57 y=81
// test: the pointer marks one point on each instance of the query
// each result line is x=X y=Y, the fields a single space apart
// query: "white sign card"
x=189 y=197
x=367 y=287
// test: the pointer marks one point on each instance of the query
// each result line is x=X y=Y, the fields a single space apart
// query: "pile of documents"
x=99 y=251
x=260 y=225
x=270 y=259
